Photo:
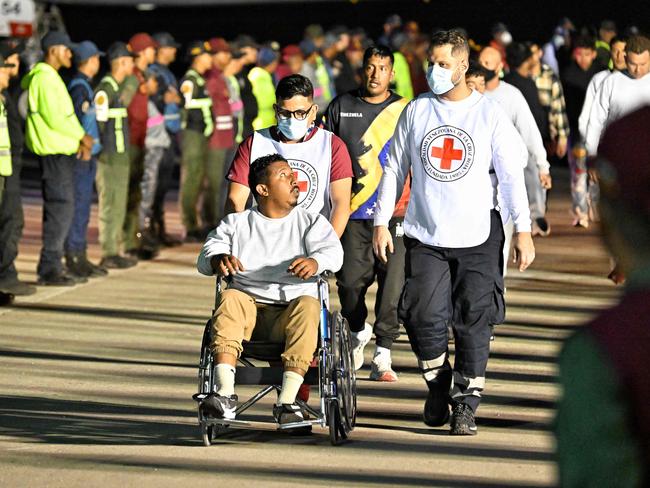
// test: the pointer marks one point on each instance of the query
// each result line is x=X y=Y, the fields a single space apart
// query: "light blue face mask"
x=439 y=79
x=292 y=128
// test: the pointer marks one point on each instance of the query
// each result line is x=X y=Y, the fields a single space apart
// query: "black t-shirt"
x=349 y=116
x=529 y=90
x=575 y=82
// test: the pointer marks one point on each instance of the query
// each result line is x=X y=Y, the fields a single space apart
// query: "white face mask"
x=292 y=128
x=439 y=79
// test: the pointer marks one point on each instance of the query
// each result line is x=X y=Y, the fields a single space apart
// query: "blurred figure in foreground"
x=602 y=428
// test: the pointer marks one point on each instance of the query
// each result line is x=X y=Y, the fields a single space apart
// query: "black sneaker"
x=288 y=413
x=462 y=420
x=6 y=299
x=193 y=236
x=220 y=407
x=59 y=279
x=117 y=262
x=436 y=408
x=541 y=227
x=76 y=265
x=17 y=288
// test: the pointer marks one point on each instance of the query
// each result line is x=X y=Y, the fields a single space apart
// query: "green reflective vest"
x=5 y=143
x=264 y=91
x=111 y=116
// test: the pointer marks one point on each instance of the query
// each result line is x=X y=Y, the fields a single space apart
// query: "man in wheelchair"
x=271 y=254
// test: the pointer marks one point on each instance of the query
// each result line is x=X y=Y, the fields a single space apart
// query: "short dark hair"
x=458 y=41
x=585 y=42
x=379 y=50
x=616 y=39
x=637 y=44
x=258 y=171
x=517 y=53
x=293 y=85
x=475 y=69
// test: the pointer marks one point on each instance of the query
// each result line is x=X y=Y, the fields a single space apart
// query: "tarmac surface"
x=96 y=383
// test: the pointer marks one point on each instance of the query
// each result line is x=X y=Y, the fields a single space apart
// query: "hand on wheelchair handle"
x=303 y=267
x=226 y=265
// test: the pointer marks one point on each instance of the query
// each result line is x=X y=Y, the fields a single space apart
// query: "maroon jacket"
x=137 y=111
x=223 y=136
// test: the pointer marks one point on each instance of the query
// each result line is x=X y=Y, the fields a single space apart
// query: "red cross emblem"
x=447 y=154
x=302 y=185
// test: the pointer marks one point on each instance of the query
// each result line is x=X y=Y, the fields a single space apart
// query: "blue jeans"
x=84 y=178
x=58 y=209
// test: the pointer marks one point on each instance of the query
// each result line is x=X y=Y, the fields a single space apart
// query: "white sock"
x=382 y=351
x=291 y=382
x=225 y=379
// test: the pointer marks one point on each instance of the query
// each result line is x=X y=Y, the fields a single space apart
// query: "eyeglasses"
x=296 y=114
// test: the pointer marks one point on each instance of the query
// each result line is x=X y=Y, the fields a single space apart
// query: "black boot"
x=76 y=265
x=165 y=239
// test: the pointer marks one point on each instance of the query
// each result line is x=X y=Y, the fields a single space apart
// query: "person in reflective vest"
x=54 y=134
x=113 y=169
x=5 y=151
x=5 y=142
x=86 y=56
x=197 y=127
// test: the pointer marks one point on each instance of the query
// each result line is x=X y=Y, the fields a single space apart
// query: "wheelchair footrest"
x=227 y=423
x=269 y=376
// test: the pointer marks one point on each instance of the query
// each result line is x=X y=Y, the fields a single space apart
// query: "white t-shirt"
x=514 y=104
x=618 y=96
x=450 y=148
x=592 y=89
x=266 y=247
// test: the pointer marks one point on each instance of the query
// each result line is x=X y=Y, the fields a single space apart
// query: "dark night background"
x=285 y=22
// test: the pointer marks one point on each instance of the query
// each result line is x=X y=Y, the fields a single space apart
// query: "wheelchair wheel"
x=342 y=411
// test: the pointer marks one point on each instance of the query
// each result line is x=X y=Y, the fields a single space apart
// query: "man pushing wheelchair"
x=272 y=255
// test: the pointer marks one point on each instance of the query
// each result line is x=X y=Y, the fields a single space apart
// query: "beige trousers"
x=238 y=317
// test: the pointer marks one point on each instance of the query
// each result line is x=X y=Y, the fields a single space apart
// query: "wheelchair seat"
x=262 y=350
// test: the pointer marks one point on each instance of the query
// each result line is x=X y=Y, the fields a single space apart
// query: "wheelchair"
x=332 y=370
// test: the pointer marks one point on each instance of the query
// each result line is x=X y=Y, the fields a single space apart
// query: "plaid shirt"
x=551 y=96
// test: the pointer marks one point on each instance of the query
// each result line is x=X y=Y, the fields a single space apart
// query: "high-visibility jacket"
x=52 y=126
x=264 y=91
x=5 y=143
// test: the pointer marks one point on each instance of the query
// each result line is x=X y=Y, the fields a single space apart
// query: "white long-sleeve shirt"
x=619 y=95
x=514 y=104
x=266 y=247
x=450 y=148
x=590 y=95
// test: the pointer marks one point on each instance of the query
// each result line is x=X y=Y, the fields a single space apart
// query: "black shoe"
x=6 y=299
x=59 y=279
x=288 y=413
x=165 y=239
x=436 y=408
x=541 y=227
x=17 y=288
x=462 y=420
x=76 y=265
x=193 y=236
x=142 y=254
x=219 y=407
x=118 y=262
x=96 y=271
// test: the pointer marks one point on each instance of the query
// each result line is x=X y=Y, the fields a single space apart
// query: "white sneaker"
x=358 y=342
x=381 y=369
